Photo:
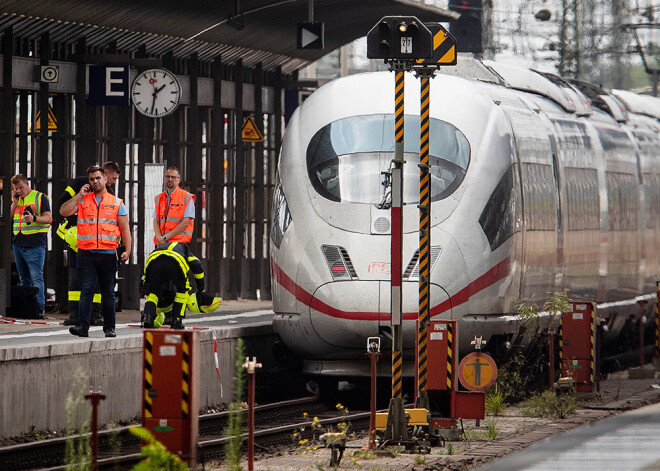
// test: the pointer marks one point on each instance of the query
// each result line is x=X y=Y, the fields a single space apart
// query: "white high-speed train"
x=538 y=186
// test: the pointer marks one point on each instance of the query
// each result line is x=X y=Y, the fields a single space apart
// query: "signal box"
x=578 y=345
x=170 y=396
x=447 y=402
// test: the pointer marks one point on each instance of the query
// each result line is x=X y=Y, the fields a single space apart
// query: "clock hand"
x=153 y=103
x=160 y=88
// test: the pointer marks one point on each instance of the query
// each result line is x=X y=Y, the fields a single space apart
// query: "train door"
x=540 y=198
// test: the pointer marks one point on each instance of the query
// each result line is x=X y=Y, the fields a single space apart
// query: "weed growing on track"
x=156 y=457
x=549 y=404
x=492 y=429
x=78 y=452
x=234 y=427
x=494 y=402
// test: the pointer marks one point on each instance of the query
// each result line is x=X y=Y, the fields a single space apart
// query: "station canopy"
x=253 y=30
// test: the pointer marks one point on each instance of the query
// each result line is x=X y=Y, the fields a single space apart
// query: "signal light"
x=399 y=38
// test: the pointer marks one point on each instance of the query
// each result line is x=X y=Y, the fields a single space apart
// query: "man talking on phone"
x=102 y=223
x=67 y=230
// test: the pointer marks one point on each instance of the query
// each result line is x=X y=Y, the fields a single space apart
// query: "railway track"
x=119 y=449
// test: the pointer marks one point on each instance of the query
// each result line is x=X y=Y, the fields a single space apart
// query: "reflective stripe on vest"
x=169 y=218
x=32 y=200
x=170 y=252
x=98 y=226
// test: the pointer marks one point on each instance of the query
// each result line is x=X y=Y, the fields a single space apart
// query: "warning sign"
x=250 y=131
x=477 y=371
x=52 y=122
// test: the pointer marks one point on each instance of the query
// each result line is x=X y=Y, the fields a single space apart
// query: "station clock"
x=156 y=93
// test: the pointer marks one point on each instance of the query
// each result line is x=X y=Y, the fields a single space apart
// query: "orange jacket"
x=169 y=218
x=98 y=226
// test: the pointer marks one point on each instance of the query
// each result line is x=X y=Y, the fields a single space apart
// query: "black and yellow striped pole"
x=424 y=237
x=147 y=412
x=185 y=376
x=396 y=419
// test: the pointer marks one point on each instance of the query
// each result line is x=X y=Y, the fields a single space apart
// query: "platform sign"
x=250 y=131
x=477 y=371
x=108 y=85
x=444 y=47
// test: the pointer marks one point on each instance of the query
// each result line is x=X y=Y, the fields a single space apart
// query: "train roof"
x=573 y=96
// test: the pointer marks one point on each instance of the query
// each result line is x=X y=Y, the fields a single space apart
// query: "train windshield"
x=346 y=158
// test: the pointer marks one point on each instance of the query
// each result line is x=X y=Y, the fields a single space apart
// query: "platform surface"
x=624 y=442
x=25 y=333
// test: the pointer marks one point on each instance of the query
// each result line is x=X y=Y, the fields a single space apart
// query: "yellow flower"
x=302 y=442
x=305 y=414
x=316 y=419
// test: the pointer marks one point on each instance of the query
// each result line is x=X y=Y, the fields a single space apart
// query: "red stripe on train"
x=489 y=278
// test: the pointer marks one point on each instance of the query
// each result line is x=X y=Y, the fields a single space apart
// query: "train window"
x=280 y=215
x=499 y=218
x=346 y=158
x=540 y=196
x=583 y=204
x=623 y=207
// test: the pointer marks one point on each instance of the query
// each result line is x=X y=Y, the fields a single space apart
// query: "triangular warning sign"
x=52 y=122
x=250 y=131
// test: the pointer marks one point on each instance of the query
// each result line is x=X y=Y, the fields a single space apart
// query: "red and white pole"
x=251 y=365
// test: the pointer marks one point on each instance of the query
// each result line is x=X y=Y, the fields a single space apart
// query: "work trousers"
x=93 y=265
x=30 y=266
x=164 y=276
x=73 y=297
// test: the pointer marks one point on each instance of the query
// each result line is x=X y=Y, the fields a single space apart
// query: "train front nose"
x=345 y=313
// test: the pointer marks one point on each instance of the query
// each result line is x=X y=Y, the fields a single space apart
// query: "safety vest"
x=169 y=252
x=169 y=218
x=33 y=201
x=98 y=226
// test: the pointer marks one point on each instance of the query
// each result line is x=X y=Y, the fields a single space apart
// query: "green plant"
x=78 y=453
x=557 y=303
x=549 y=404
x=492 y=429
x=156 y=457
x=451 y=450
x=393 y=451
x=420 y=459
x=526 y=309
x=36 y=433
x=234 y=427
x=494 y=402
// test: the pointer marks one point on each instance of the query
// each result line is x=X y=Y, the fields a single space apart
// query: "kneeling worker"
x=166 y=270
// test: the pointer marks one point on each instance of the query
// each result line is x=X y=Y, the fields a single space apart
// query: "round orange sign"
x=477 y=371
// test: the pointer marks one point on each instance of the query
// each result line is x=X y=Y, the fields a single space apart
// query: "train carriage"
x=538 y=186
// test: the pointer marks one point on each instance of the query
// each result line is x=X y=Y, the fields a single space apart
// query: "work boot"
x=97 y=319
x=177 y=323
x=109 y=332
x=148 y=322
x=81 y=330
x=71 y=320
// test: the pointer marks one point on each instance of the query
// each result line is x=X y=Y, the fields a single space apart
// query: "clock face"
x=156 y=93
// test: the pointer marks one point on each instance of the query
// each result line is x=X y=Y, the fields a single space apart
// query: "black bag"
x=24 y=303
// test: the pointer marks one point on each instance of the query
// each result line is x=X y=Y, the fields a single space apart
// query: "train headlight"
x=339 y=263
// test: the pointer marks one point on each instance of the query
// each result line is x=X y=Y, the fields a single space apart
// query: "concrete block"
x=641 y=373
